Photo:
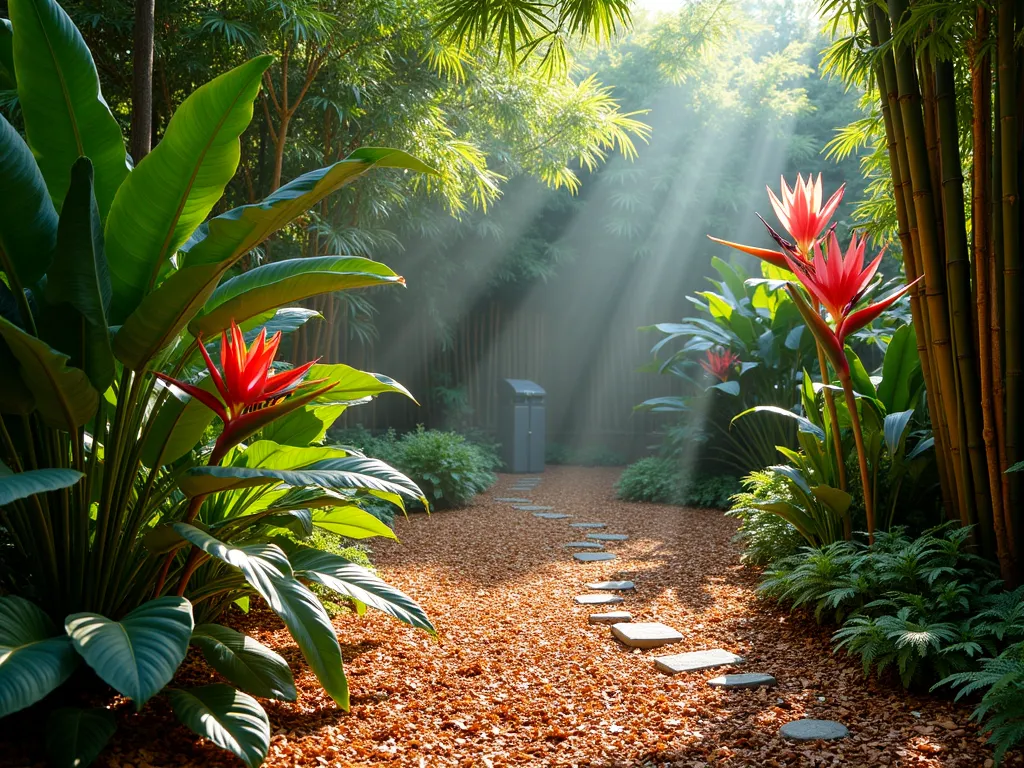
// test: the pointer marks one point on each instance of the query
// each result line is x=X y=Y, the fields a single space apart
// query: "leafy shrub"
x=766 y=536
x=448 y=468
x=597 y=456
x=557 y=453
x=661 y=481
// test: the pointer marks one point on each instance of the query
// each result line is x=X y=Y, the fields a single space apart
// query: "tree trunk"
x=142 y=80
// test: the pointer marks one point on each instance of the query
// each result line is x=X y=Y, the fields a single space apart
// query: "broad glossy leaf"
x=305 y=426
x=78 y=286
x=894 y=429
x=837 y=500
x=64 y=395
x=33 y=661
x=862 y=383
x=729 y=387
x=284 y=282
x=75 y=737
x=21 y=485
x=176 y=185
x=351 y=472
x=346 y=578
x=138 y=655
x=899 y=369
x=59 y=93
x=230 y=719
x=28 y=220
x=268 y=571
x=267 y=454
x=223 y=240
x=246 y=663
x=352 y=522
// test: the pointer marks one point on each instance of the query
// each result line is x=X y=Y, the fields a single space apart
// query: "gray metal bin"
x=521 y=425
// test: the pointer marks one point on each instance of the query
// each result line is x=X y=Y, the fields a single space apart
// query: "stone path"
x=647 y=635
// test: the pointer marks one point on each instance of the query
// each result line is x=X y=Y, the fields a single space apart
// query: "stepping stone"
x=607 y=536
x=645 y=634
x=531 y=508
x=614 y=586
x=696 y=660
x=512 y=500
x=597 y=599
x=812 y=730
x=593 y=557
x=551 y=515
x=583 y=545
x=589 y=525
x=612 y=617
x=751 y=680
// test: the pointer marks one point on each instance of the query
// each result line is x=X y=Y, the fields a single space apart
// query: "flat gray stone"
x=612 y=617
x=551 y=515
x=612 y=586
x=589 y=525
x=512 y=500
x=750 y=680
x=812 y=730
x=607 y=536
x=593 y=557
x=645 y=634
x=597 y=599
x=531 y=508
x=583 y=545
x=696 y=660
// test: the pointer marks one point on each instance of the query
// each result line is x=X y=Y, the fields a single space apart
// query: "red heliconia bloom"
x=801 y=213
x=803 y=216
x=839 y=283
x=250 y=395
x=720 y=364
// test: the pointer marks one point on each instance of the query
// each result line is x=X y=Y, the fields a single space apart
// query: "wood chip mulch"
x=518 y=677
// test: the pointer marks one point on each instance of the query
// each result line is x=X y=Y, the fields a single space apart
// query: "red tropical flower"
x=250 y=395
x=800 y=210
x=803 y=216
x=720 y=364
x=838 y=283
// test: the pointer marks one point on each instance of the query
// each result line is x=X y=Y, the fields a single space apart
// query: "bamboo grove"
x=948 y=81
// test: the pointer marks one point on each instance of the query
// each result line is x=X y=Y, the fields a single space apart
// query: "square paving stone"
x=696 y=660
x=593 y=557
x=551 y=515
x=645 y=634
x=589 y=525
x=583 y=545
x=613 y=586
x=607 y=536
x=597 y=599
x=531 y=508
x=612 y=617
x=750 y=680
x=512 y=500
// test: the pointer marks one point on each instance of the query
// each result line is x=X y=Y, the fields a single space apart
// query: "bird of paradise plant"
x=838 y=283
x=801 y=213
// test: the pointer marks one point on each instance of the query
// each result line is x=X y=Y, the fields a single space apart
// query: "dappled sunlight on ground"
x=518 y=677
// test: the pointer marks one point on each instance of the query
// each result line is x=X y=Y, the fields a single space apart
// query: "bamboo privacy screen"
x=967 y=309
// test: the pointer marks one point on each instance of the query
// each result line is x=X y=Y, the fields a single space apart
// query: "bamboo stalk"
x=931 y=255
x=958 y=284
x=903 y=194
x=1013 y=327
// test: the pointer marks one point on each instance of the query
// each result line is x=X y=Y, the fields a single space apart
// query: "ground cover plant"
x=156 y=461
x=666 y=481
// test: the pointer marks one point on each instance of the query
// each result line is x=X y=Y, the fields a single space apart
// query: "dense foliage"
x=667 y=481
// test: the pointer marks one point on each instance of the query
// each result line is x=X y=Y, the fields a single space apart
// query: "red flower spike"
x=720 y=364
x=800 y=210
x=856 y=320
x=252 y=396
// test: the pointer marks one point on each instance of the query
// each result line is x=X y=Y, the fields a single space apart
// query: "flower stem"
x=858 y=436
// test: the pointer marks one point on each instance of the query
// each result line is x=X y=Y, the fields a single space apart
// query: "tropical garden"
x=219 y=221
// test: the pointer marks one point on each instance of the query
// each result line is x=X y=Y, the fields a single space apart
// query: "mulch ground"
x=518 y=677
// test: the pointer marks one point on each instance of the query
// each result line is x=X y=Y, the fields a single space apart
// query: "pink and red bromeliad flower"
x=721 y=364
